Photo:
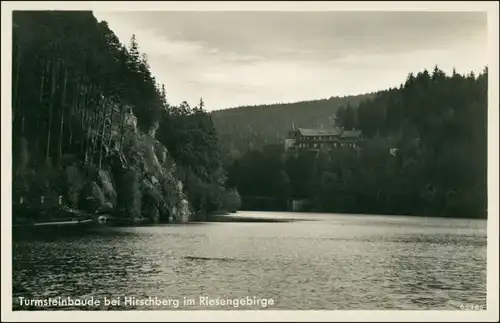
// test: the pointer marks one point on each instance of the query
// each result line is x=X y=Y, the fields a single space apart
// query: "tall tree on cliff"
x=70 y=72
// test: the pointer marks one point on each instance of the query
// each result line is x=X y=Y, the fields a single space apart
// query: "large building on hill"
x=322 y=139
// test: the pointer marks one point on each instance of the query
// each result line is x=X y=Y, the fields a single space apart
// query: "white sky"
x=244 y=58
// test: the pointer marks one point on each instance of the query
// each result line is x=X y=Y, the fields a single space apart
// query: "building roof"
x=330 y=132
x=320 y=132
x=351 y=134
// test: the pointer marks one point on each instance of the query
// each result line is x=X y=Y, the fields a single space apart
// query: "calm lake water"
x=343 y=262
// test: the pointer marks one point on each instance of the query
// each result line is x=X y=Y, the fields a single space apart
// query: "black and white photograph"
x=257 y=163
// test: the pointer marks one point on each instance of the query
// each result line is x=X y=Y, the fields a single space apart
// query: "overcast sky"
x=244 y=58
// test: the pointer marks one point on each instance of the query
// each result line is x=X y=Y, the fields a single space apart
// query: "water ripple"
x=336 y=262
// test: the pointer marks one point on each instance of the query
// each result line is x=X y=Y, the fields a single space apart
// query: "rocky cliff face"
x=136 y=179
x=142 y=176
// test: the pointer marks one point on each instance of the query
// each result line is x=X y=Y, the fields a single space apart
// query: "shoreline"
x=51 y=231
x=233 y=218
x=215 y=217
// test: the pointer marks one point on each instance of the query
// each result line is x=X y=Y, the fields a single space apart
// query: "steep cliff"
x=92 y=128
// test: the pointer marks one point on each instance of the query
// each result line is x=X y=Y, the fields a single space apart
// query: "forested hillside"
x=436 y=126
x=251 y=127
x=91 y=124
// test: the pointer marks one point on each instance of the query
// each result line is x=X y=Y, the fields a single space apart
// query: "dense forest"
x=92 y=126
x=252 y=127
x=434 y=125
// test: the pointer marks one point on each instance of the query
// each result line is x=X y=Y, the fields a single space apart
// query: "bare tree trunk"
x=85 y=107
x=42 y=81
x=40 y=109
x=85 y=117
x=110 y=128
x=94 y=126
x=100 y=118
x=89 y=121
x=51 y=107
x=111 y=116
x=81 y=108
x=104 y=122
x=91 y=140
x=63 y=103
x=87 y=145
x=82 y=141
x=74 y=106
x=122 y=111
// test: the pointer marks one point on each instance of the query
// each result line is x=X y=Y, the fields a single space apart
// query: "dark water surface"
x=343 y=262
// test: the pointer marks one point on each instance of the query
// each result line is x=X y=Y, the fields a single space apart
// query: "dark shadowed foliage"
x=90 y=123
x=435 y=126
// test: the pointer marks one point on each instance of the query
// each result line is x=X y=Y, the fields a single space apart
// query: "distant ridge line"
x=273 y=105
